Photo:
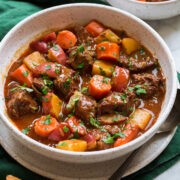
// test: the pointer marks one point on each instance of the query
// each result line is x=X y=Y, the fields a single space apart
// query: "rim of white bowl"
x=153 y=3
x=131 y=144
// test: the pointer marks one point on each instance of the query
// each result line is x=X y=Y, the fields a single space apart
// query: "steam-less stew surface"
x=84 y=89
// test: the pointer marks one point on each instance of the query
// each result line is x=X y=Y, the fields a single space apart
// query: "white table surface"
x=169 y=29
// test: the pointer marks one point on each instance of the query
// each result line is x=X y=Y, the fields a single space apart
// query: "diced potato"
x=52 y=104
x=141 y=117
x=72 y=145
x=130 y=45
x=108 y=35
x=72 y=101
x=112 y=119
x=10 y=177
x=33 y=60
x=102 y=68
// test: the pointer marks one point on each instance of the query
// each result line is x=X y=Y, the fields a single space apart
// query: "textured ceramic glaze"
x=61 y=16
x=149 y=10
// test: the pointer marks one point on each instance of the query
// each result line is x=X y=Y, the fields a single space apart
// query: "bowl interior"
x=62 y=16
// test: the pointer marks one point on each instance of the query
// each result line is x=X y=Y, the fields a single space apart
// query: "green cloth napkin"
x=11 y=12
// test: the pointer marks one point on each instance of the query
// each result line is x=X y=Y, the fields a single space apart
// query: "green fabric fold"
x=12 y=12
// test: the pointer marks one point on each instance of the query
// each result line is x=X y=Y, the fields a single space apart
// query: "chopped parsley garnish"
x=130 y=89
x=84 y=90
x=102 y=71
x=114 y=74
x=57 y=71
x=48 y=83
x=141 y=51
x=46 y=99
x=62 y=144
x=79 y=49
x=139 y=90
x=55 y=47
x=65 y=129
x=66 y=84
x=13 y=89
x=106 y=80
x=94 y=122
x=130 y=63
x=102 y=48
x=25 y=73
x=26 y=130
x=115 y=54
x=136 y=56
x=44 y=90
x=115 y=119
x=47 y=121
x=48 y=67
x=88 y=43
x=80 y=66
x=34 y=108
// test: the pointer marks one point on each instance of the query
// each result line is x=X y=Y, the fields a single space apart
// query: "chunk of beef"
x=149 y=82
x=81 y=57
x=20 y=103
x=135 y=65
x=82 y=35
x=39 y=86
x=67 y=82
x=86 y=107
x=100 y=136
x=117 y=101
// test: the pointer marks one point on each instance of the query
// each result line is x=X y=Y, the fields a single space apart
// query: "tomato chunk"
x=49 y=37
x=120 y=79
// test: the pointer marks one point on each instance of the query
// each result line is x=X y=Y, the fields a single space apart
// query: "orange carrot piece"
x=23 y=75
x=130 y=131
x=66 y=39
x=45 y=125
x=99 y=86
x=108 y=51
x=94 y=28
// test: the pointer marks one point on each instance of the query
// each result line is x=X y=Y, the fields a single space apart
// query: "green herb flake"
x=141 y=51
x=84 y=90
x=55 y=47
x=25 y=74
x=80 y=66
x=13 y=89
x=140 y=91
x=44 y=90
x=62 y=144
x=115 y=119
x=26 y=130
x=130 y=89
x=65 y=129
x=102 y=71
x=57 y=71
x=48 y=67
x=109 y=139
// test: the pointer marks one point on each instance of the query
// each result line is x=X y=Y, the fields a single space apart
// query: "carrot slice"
x=66 y=39
x=108 y=51
x=45 y=125
x=23 y=75
x=130 y=132
x=94 y=28
x=99 y=86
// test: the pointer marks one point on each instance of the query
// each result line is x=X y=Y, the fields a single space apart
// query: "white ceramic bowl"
x=60 y=17
x=149 y=10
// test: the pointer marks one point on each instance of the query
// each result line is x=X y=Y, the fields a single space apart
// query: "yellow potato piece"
x=72 y=101
x=141 y=117
x=72 y=145
x=102 y=68
x=56 y=105
x=10 y=177
x=130 y=45
x=108 y=35
x=33 y=60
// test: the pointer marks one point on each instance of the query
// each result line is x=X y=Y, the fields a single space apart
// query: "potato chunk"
x=72 y=145
x=130 y=45
x=141 y=117
x=33 y=60
x=10 y=177
x=52 y=105
x=108 y=35
x=102 y=68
